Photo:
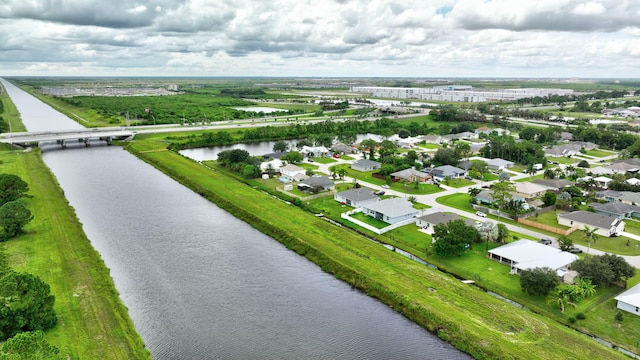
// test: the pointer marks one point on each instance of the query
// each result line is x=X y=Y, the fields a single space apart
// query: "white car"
x=385 y=186
x=481 y=214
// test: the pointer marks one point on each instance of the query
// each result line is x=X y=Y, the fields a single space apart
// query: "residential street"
x=430 y=200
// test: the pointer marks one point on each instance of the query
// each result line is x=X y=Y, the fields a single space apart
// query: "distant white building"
x=629 y=300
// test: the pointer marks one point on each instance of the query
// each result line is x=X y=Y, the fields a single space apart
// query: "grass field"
x=470 y=319
x=600 y=153
x=458 y=183
x=93 y=323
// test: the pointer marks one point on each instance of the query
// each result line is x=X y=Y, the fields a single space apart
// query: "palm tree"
x=590 y=235
x=561 y=297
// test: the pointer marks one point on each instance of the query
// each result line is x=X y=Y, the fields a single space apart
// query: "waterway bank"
x=93 y=322
x=471 y=320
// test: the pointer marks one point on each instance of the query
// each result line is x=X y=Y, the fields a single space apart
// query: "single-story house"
x=485 y=197
x=600 y=170
x=529 y=190
x=603 y=181
x=459 y=136
x=365 y=165
x=609 y=195
x=441 y=172
x=527 y=255
x=356 y=197
x=605 y=225
x=427 y=222
x=569 y=149
x=566 y=136
x=342 y=148
x=273 y=165
x=411 y=175
x=323 y=182
x=618 y=209
x=391 y=210
x=488 y=131
x=629 y=300
x=290 y=171
x=632 y=181
x=622 y=167
x=553 y=184
x=314 y=151
x=432 y=139
x=275 y=155
x=499 y=164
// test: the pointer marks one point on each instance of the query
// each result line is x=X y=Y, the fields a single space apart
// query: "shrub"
x=572 y=319
x=619 y=316
x=580 y=316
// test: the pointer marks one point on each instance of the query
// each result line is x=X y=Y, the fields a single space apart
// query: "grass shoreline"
x=469 y=319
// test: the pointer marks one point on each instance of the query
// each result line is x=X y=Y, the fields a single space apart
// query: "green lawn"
x=458 y=183
x=324 y=160
x=599 y=153
x=620 y=245
x=549 y=218
x=408 y=188
x=489 y=177
x=429 y=146
x=531 y=178
x=564 y=160
x=379 y=224
x=346 y=157
x=632 y=226
x=308 y=166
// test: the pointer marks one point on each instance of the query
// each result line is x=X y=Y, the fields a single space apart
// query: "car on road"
x=481 y=214
x=575 y=250
x=379 y=193
x=385 y=186
x=545 y=241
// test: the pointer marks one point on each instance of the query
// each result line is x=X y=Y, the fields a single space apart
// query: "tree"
x=29 y=345
x=28 y=304
x=501 y=193
x=590 y=235
x=565 y=243
x=250 y=171
x=504 y=176
x=462 y=150
x=538 y=281
x=280 y=146
x=234 y=156
x=293 y=157
x=12 y=188
x=503 y=233
x=474 y=191
x=369 y=145
x=549 y=174
x=583 y=164
x=13 y=217
x=595 y=269
x=561 y=296
x=620 y=267
x=404 y=133
x=564 y=199
x=549 y=198
x=453 y=237
x=445 y=156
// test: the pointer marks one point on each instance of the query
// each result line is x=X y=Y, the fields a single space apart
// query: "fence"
x=549 y=228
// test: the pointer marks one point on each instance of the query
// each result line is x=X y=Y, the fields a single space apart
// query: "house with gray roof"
x=553 y=184
x=619 y=210
x=441 y=172
x=323 y=182
x=485 y=197
x=428 y=222
x=343 y=148
x=526 y=255
x=356 y=197
x=499 y=164
x=391 y=210
x=629 y=300
x=365 y=165
x=411 y=175
x=605 y=225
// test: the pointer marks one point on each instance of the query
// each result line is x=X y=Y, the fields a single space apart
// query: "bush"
x=619 y=316
x=572 y=319
x=580 y=316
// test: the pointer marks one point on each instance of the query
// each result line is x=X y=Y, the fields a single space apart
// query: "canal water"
x=201 y=284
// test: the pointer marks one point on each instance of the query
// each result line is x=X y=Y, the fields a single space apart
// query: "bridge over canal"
x=64 y=136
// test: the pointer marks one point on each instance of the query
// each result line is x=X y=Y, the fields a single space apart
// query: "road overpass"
x=64 y=136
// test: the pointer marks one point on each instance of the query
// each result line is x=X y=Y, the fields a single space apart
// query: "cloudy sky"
x=325 y=38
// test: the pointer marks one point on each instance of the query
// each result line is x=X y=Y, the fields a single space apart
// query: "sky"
x=321 y=38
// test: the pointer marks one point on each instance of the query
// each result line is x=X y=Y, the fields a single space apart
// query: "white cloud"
x=322 y=38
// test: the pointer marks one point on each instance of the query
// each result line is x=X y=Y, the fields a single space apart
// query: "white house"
x=365 y=165
x=499 y=164
x=391 y=210
x=291 y=171
x=356 y=197
x=629 y=300
x=429 y=221
x=314 y=151
x=526 y=255
x=274 y=164
x=605 y=225
x=529 y=190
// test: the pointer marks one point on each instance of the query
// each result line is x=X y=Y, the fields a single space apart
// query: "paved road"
x=430 y=199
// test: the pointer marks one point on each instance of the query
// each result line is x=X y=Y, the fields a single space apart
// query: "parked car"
x=385 y=186
x=545 y=241
x=379 y=193
x=575 y=250
x=481 y=214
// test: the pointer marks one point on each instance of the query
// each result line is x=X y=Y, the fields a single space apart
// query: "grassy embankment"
x=93 y=323
x=470 y=319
